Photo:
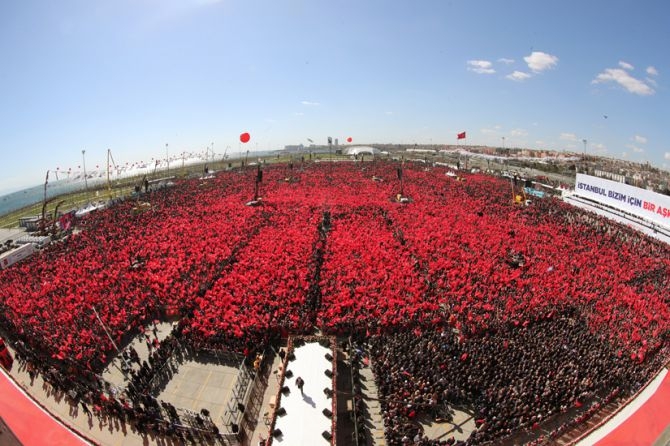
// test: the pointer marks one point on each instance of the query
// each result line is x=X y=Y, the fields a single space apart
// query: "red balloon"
x=245 y=137
x=349 y=139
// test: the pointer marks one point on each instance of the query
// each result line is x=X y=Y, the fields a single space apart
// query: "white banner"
x=640 y=202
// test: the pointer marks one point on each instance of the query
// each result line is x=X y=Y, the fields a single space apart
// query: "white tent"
x=365 y=150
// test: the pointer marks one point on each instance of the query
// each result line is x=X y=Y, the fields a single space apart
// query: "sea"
x=26 y=197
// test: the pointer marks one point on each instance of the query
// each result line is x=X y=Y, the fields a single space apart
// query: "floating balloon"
x=245 y=137
x=349 y=139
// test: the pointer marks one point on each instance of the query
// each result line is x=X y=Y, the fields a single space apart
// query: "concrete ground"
x=201 y=384
x=11 y=234
x=460 y=427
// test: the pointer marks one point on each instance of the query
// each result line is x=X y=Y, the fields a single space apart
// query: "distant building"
x=610 y=176
x=31 y=223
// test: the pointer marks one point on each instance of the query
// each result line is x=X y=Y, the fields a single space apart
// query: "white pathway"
x=304 y=421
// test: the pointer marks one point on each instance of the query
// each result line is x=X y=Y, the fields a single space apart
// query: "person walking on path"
x=300 y=383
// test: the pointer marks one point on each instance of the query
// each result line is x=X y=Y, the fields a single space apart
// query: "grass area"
x=64 y=202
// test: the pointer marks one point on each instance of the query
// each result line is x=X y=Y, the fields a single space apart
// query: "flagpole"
x=115 y=346
x=105 y=329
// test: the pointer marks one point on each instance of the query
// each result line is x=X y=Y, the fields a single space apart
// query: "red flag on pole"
x=460 y=135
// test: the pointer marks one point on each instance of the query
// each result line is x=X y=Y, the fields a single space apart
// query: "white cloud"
x=621 y=77
x=651 y=81
x=481 y=66
x=651 y=71
x=667 y=155
x=624 y=154
x=639 y=139
x=388 y=112
x=310 y=103
x=568 y=137
x=506 y=61
x=600 y=147
x=635 y=148
x=539 y=61
x=495 y=129
x=299 y=114
x=518 y=76
x=518 y=132
x=626 y=65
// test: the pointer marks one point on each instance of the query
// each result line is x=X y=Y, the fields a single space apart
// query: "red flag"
x=461 y=135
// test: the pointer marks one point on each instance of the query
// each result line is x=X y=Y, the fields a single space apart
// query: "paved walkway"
x=374 y=410
x=266 y=411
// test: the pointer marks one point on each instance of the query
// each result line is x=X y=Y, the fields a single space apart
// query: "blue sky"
x=133 y=75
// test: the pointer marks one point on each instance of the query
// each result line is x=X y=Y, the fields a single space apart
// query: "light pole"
x=83 y=156
x=330 y=153
x=503 y=139
x=584 y=141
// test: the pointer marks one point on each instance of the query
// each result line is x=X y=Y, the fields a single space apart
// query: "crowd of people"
x=512 y=378
x=331 y=249
x=265 y=290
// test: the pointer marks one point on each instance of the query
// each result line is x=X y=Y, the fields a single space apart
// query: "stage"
x=304 y=421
